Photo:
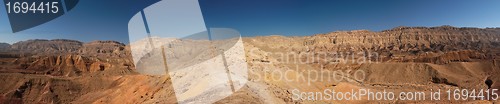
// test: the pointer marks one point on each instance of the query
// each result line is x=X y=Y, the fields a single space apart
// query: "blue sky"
x=108 y=19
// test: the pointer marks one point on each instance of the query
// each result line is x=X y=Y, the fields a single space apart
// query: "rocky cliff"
x=47 y=46
x=401 y=44
x=4 y=47
x=65 y=57
x=407 y=39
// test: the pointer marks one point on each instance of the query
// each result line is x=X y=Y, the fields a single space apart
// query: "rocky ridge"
x=4 y=46
x=401 y=44
x=65 y=57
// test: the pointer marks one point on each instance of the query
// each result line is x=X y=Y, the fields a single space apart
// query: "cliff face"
x=4 y=45
x=58 y=46
x=47 y=46
x=408 y=39
x=69 y=65
x=66 y=58
x=401 y=44
x=103 y=49
x=406 y=59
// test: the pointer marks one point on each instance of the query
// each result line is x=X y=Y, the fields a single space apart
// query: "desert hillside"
x=399 y=59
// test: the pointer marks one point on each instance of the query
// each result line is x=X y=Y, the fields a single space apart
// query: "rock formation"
x=399 y=59
x=4 y=46
x=47 y=46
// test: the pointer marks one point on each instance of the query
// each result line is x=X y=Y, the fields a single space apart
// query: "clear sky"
x=108 y=19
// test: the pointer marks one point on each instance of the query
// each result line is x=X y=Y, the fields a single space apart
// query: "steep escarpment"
x=4 y=46
x=407 y=39
x=66 y=58
x=46 y=46
x=64 y=46
x=68 y=65
x=401 y=44
x=103 y=49
x=402 y=59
